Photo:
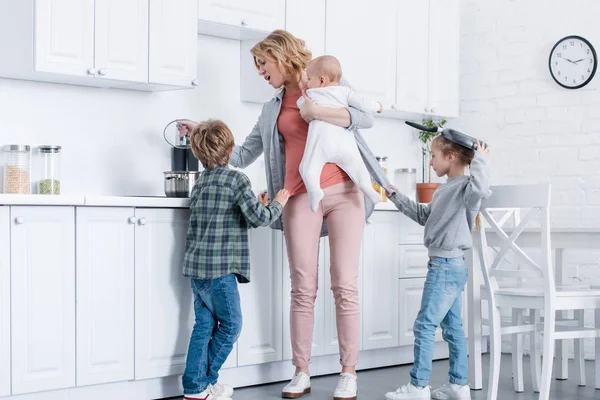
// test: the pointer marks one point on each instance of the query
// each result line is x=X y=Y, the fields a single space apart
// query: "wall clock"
x=573 y=62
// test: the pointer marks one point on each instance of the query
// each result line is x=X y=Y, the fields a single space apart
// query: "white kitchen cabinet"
x=42 y=298
x=261 y=337
x=362 y=35
x=305 y=19
x=412 y=261
x=428 y=57
x=173 y=43
x=121 y=40
x=4 y=301
x=318 y=344
x=380 y=282
x=163 y=297
x=257 y=15
x=105 y=295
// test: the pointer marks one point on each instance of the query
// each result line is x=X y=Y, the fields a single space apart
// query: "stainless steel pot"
x=180 y=183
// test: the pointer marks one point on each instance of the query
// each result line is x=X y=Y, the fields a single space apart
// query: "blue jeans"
x=441 y=305
x=217 y=328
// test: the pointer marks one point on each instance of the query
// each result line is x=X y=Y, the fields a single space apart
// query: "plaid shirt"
x=223 y=208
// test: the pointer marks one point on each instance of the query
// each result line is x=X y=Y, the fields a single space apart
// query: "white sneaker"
x=346 y=388
x=450 y=391
x=298 y=386
x=409 y=392
x=212 y=392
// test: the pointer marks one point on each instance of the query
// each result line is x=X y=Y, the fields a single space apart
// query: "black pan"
x=453 y=135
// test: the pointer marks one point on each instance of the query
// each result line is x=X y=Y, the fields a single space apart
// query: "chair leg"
x=517 y=351
x=495 y=352
x=548 y=352
x=535 y=353
x=562 y=354
x=579 y=350
x=597 y=362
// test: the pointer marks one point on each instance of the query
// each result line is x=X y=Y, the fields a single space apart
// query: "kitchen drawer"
x=410 y=231
x=412 y=261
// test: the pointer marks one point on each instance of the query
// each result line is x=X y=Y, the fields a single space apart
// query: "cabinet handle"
x=91 y=71
x=102 y=71
x=244 y=23
x=142 y=221
x=19 y=220
x=195 y=82
x=426 y=109
x=131 y=220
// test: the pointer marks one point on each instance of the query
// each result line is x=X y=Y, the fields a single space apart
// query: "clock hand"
x=580 y=60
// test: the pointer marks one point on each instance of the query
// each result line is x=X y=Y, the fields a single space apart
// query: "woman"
x=281 y=133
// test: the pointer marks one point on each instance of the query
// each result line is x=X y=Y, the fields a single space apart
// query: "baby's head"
x=445 y=154
x=212 y=143
x=323 y=71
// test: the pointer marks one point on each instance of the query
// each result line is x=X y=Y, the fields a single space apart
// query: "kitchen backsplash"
x=112 y=139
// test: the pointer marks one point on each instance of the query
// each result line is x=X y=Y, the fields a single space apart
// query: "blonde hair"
x=211 y=143
x=328 y=66
x=287 y=50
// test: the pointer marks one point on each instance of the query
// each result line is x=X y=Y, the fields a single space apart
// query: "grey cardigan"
x=265 y=138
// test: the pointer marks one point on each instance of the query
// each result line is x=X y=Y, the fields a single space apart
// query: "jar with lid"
x=50 y=169
x=17 y=166
x=406 y=182
x=383 y=163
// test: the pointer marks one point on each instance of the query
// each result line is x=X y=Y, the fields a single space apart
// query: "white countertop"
x=115 y=201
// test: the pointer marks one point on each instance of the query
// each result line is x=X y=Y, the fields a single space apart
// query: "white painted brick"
x=528 y=114
x=553 y=154
x=562 y=127
x=591 y=125
x=558 y=99
x=581 y=168
x=589 y=153
x=507 y=103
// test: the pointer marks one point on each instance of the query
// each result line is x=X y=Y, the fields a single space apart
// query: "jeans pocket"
x=201 y=285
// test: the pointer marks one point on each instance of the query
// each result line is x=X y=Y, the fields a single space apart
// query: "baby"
x=328 y=143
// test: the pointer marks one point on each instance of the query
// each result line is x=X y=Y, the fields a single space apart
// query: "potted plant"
x=425 y=189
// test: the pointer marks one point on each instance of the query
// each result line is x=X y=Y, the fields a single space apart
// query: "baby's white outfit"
x=328 y=143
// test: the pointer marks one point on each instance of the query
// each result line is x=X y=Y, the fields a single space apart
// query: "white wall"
x=538 y=131
x=112 y=139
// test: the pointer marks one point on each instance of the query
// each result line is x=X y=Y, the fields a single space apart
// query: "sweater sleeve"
x=478 y=187
x=252 y=209
x=413 y=210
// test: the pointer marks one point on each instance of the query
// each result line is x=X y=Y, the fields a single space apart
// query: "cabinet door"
x=297 y=15
x=362 y=35
x=4 y=301
x=412 y=261
x=64 y=36
x=43 y=298
x=105 y=295
x=261 y=338
x=318 y=344
x=163 y=297
x=121 y=29
x=173 y=42
x=262 y=15
x=444 y=57
x=412 y=57
x=411 y=292
x=380 y=282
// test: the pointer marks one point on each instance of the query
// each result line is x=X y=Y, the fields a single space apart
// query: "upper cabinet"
x=297 y=15
x=103 y=43
x=362 y=35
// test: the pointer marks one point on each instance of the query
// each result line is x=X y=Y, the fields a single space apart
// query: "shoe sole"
x=288 y=395
x=452 y=398
x=345 y=398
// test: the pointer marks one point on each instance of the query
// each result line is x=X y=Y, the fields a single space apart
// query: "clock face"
x=573 y=62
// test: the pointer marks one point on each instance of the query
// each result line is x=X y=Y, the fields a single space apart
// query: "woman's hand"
x=185 y=127
x=309 y=109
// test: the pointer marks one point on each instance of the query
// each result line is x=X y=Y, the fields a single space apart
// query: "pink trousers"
x=344 y=211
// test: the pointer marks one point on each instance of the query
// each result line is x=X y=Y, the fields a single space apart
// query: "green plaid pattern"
x=223 y=208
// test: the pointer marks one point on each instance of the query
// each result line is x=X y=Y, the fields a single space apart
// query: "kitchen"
x=113 y=149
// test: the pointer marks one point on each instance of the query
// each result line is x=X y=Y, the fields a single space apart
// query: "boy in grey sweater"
x=448 y=220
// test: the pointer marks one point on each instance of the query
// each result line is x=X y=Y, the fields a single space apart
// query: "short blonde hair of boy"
x=328 y=66
x=287 y=50
x=211 y=143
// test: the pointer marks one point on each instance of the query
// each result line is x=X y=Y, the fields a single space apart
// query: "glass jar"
x=17 y=166
x=50 y=176
x=383 y=163
x=406 y=182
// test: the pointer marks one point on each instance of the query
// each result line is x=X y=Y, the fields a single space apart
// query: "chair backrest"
x=534 y=200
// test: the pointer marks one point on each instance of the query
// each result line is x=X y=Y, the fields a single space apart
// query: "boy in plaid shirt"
x=217 y=256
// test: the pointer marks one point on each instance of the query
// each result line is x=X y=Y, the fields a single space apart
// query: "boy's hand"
x=482 y=150
x=264 y=198
x=185 y=127
x=282 y=197
x=392 y=188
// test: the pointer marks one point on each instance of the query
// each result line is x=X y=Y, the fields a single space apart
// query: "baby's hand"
x=282 y=197
x=391 y=188
x=264 y=198
x=482 y=150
